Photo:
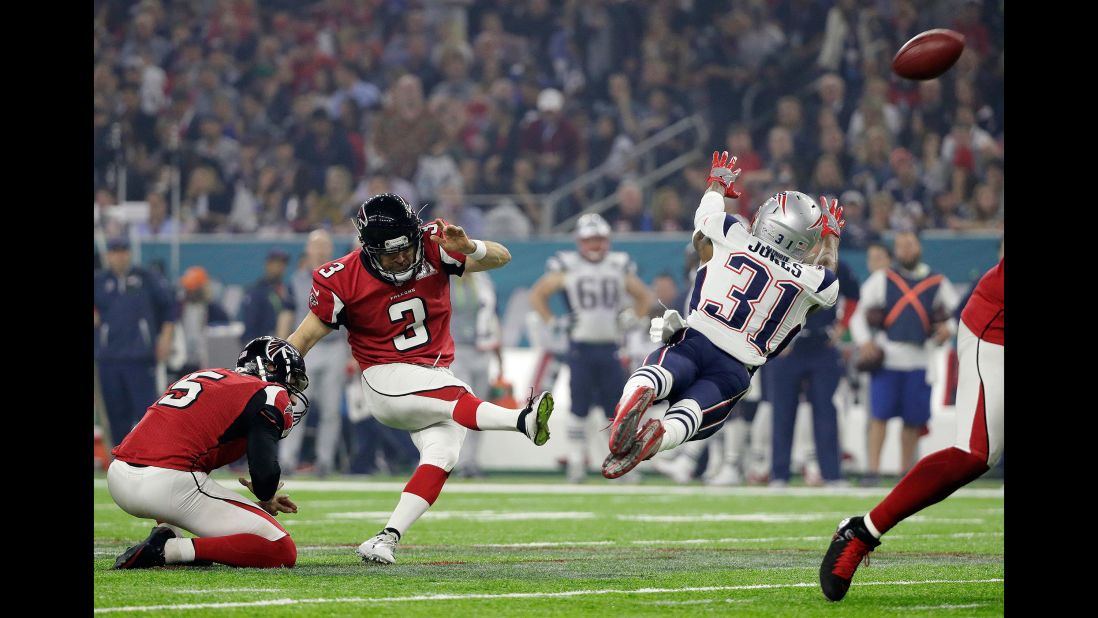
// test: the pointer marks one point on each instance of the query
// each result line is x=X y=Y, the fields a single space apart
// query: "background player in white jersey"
x=753 y=291
x=393 y=296
x=596 y=282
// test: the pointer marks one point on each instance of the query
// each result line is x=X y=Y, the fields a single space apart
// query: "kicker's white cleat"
x=380 y=548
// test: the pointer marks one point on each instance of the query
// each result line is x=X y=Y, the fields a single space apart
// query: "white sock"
x=577 y=439
x=178 y=551
x=716 y=456
x=735 y=439
x=491 y=416
x=869 y=526
x=681 y=422
x=692 y=450
x=410 y=508
x=652 y=376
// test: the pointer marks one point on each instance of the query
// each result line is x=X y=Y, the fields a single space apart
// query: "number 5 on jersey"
x=415 y=334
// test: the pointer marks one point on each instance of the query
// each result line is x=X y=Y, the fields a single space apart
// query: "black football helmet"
x=387 y=224
x=275 y=360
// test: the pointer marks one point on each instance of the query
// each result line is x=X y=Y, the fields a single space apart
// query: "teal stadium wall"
x=239 y=261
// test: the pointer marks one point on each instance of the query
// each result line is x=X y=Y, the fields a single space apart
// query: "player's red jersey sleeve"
x=984 y=312
x=326 y=299
x=453 y=262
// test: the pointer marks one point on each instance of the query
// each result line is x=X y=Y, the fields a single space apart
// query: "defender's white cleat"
x=680 y=469
x=727 y=475
x=380 y=548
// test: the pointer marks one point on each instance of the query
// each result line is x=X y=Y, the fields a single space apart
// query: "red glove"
x=833 y=217
x=723 y=173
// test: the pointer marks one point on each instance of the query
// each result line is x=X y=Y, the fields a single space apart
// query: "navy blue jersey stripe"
x=729 y=221
x=829 y=278
x=695 y=296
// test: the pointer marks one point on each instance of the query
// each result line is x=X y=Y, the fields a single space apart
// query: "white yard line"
x=223 y=590
x=608 y=489
x=99 y=553
x=471 y=515
x=515 y=595
x=947 y=606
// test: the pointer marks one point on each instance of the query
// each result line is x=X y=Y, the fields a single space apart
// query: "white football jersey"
x=595 y=292
x=750 y=299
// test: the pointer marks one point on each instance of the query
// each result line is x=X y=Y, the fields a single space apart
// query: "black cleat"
x=850 y=543
x=148 y=553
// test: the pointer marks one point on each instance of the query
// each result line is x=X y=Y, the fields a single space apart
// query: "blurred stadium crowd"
x=282 y=116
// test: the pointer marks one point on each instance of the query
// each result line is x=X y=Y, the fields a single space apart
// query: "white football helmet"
x=790 y=222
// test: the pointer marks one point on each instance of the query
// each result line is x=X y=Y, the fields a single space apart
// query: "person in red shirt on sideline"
x=204 y=421
x=393 y=297
x=977 y=447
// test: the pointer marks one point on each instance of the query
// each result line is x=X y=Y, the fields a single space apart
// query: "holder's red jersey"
x=197 y=426
x=983 y=313
x=386 y=323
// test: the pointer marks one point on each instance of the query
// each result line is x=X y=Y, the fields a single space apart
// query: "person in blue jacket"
x=135 y=313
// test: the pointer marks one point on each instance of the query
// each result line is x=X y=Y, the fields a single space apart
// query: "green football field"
x=533 y=545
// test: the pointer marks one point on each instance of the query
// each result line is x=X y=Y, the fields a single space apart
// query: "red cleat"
x=627 y=417
x=644 y=445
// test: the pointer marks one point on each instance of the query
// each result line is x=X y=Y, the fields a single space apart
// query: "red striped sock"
x=465 y=408
x=932 y=480
x=427 y=482
x=465 y=411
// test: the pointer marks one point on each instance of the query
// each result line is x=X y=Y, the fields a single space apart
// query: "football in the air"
x=929 y=54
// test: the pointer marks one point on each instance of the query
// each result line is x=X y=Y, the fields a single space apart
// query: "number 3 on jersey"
x=749 y=301
x=398 y=314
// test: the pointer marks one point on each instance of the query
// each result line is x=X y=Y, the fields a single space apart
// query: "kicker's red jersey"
x=386 y=323
x=191 y=428
x=983 y=313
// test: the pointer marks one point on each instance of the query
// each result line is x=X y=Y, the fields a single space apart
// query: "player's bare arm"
x=494 y=255
x=284 y=323
x=829 y=252
x=722 y=178
x=642 y=297
x=544 y=288
x=310 y=331
x=833 y=224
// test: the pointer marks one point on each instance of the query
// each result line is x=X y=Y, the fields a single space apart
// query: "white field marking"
x=546 y=544
x=220 y=590
x=965 y=606
x=773 y=539
x=609 y=489
x=770 y=518
x=944 y=520
x=701 y=601
x=488 y=516
x=770 y=539
x=520 y=595
x=472 y=515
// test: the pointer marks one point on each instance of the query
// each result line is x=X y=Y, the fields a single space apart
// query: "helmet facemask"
x=386 y=226
x=393 y=246
x=789 y=222
x=275 y=360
